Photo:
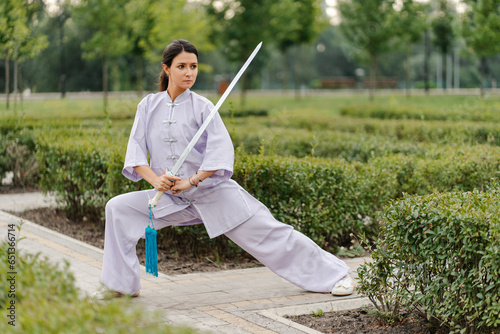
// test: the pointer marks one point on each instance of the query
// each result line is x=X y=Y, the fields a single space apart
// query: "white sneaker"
x=343 y=287
x=109 y=294
x=103 y=295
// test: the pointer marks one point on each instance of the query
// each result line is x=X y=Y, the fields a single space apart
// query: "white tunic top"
x=164 y=128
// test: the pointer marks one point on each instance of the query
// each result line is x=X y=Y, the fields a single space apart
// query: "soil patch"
x=344 y=322
x=7 y=189
x=361 y=321
x=93 y=233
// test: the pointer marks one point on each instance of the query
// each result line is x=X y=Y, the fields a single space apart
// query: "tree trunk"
x=426 y=61
x=15 y=81
x=373 y=76
x=449 y=71
x=483 y=75
x=439 y=71
x=61 y=50
x=105 y=82
x=284 y=78
x=19 y=73
x=296 y=77
x=307 y=71
x=407 y=77
x=456 y=63
x=7 y=80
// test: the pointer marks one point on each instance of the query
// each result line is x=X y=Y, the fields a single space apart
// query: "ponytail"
x=162 y=81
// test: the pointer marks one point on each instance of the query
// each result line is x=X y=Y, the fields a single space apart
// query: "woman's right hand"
x=164 y=182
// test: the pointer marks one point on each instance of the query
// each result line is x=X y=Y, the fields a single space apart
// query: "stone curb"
x=233 y=301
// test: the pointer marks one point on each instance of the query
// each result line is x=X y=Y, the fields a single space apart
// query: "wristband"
x=192 y=183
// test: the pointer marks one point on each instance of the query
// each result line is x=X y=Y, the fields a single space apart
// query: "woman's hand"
x=180 y=186
x=165 y=182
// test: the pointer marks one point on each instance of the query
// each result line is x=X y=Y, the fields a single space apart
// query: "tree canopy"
x=118 y=43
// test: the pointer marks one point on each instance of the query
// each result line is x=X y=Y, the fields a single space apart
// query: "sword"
x=154 y=201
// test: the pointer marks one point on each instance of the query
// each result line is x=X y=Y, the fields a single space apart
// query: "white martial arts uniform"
x=164 y=128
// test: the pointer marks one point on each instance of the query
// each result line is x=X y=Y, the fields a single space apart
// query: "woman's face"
x=183 y=71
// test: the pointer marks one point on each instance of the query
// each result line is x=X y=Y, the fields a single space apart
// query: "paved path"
x=232 y=301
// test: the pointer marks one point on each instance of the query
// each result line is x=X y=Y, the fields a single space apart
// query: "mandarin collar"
x=179 y=98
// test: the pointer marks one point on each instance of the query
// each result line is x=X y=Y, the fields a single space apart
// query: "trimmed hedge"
x=439 y=255
x=443 y=132
x=17 y=155
x=84 y=170
x=326 y=144
x=325 y=199
x=45 y=300
x=462 y=168
x=476 y=113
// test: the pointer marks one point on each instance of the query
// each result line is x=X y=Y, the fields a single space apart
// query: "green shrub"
x=245 y=113
x=475 y=112
x=76 y=172
x=326 y=144
x=439 y=255
x=46 y=300
x=325 y=199
x=18 y=155
x=435 y=131
x=443 y=132
x=446 y=169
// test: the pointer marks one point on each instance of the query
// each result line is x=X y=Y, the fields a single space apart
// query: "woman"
x=202 y=192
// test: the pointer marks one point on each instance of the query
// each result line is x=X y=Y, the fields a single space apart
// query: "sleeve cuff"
x=130 y=173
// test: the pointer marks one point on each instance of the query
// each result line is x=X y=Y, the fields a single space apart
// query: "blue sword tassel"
x=151 y=248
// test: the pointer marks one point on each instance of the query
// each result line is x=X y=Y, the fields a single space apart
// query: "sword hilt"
x=154 y=201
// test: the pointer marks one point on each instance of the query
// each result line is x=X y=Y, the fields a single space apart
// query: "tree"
x=442 y=28
x=481 y=31
x=62 y=16
x=6 y=32
x=294 y=23
x=240 y=26
x=149 y=32
x=19 y=37
x=410 y=22
x=143 y=17
x=108 y=24
x=369 y=26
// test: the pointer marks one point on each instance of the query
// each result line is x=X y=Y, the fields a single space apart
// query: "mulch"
x=362 y=321
x=93 y=233
x=356 y=321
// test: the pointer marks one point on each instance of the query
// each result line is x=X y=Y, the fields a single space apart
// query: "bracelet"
x=192 y=183
x=199 y=180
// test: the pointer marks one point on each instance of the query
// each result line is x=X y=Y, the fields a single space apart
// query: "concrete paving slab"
x=26 y=201
x=233 y=301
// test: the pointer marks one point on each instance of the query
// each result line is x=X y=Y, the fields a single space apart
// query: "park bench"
x=338 y=82
x=381 y=82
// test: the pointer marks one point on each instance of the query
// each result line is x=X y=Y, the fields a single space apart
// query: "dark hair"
x=170 y=52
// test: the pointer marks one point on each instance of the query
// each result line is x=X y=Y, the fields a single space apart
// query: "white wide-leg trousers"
x=278 y=246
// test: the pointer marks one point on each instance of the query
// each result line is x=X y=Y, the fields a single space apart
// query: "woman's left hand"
x=180 y=186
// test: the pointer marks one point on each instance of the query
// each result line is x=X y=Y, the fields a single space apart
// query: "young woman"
x=202 y=192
